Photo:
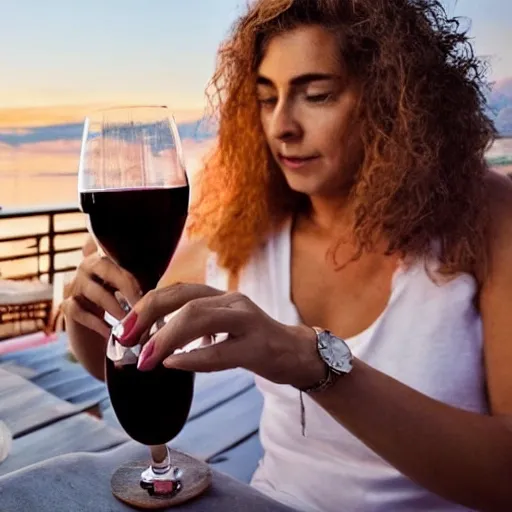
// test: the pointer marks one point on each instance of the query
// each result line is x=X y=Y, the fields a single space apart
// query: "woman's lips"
x=296 y=162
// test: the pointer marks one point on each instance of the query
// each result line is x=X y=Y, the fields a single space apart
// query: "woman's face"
x=307 y=108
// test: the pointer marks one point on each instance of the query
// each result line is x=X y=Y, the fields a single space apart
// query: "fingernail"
x=144 y=362
x=124 y=331
x=125 y=305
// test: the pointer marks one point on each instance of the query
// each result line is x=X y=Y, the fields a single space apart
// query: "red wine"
x=138 y=228
x=151 y=406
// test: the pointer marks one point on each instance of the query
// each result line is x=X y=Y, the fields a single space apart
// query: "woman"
x=348 y=191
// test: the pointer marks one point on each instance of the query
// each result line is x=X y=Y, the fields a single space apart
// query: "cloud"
x=62 y=147
x=62 y=156
x=55 y=148
x=11 y=118
x=504 y=87
x=31 y=135
x=196 y=130
x=499 y=103
x=14 y=131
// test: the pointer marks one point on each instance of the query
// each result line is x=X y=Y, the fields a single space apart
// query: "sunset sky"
x=60 y=58
x=59 y=53
x=64 y=53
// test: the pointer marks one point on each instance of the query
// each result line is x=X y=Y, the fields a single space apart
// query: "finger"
x=74 y=311
x=114 y=277
x=157 y=304
x=89 y=306
x=95 y=293
x=195 y=320
x=129 y=287
x=213 y=358
x=89 y=246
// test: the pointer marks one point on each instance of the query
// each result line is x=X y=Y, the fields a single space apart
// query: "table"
x=80 y=482
x=45 y=399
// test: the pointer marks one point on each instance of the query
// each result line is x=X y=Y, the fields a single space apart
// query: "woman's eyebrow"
x=300 y=79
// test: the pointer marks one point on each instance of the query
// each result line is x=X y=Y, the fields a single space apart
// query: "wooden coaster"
x=125 y=483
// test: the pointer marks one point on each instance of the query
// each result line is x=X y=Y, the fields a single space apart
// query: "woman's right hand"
x=92 y=292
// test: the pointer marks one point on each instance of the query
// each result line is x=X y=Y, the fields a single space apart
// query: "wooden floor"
x=47 y=401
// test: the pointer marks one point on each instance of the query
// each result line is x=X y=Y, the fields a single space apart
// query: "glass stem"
x=160 y=459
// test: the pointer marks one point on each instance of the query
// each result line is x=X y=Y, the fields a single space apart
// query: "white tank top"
x=429 y=337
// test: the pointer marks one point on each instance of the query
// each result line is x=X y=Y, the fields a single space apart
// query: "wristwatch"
x=336 y=355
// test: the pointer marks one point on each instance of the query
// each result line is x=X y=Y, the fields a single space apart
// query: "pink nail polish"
x=144 y=362
x=124 y=331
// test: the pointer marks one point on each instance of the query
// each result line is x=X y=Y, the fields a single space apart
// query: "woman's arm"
x=188 y=264
x=462 y=456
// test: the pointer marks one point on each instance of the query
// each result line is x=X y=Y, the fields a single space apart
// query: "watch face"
x=335 y=352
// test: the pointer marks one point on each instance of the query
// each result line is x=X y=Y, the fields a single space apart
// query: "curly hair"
x=424 y=132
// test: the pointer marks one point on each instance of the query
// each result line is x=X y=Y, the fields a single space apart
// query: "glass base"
x=139 y=486
x=167 y=484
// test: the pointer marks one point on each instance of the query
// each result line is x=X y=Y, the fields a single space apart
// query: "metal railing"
x=34 y=249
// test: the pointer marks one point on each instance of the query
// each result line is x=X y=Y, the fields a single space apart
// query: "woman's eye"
x=267 y=102
x=319 y=98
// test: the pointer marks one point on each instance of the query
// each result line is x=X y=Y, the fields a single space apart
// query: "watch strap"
x=323 y=384
x=330 y=375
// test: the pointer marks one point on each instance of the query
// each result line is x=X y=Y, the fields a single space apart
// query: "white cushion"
x=5 y=441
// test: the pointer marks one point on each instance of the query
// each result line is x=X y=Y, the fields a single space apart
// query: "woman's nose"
x=285 y=125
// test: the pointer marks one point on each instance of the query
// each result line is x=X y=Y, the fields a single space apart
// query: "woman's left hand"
x=281 y=353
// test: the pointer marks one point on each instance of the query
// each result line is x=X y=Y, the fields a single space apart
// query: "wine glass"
x=133 y=186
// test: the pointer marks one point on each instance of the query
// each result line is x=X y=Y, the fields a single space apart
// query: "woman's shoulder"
x=499 y=234
x=495 y=296
x=499 y=189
